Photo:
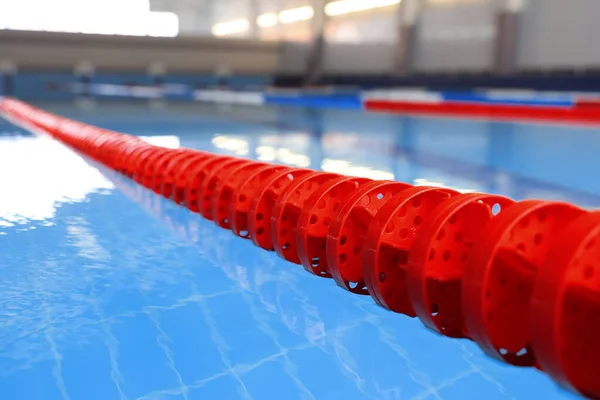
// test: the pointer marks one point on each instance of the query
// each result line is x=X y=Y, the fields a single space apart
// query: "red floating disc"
x=311 y=234
x=286 y=211
x=500 y=272
x=101 y=146
x=212 y=180
x=96 y=146
x=195 y=179
x=389 y=240
x=167 y=185
x=226 y=193
x=154 y=164
x=81 y=142
x=90 y=145
x=161 y=167
x=348 y=229
x=262 y=205
x=145 y=165
x=123 y=152
x=565 y=308
x=221 y=194
x=182 y=174
x=438 y=255
x=132 y=162
x=246 y=191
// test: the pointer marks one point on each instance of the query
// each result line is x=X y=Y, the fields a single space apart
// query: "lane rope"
x=521 y=279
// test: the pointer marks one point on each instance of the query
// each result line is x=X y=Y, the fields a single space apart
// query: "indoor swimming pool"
x=109 y=291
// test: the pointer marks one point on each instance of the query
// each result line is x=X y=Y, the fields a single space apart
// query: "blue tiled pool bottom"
x=109 y=292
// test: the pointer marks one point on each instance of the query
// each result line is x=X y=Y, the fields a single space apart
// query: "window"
x=108 y=17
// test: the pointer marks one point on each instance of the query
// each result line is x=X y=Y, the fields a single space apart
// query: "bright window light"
x=230 y=27
x=162 y=24
x=105 y=17
x=296 y=14
x=266 y=20
x=350 y=6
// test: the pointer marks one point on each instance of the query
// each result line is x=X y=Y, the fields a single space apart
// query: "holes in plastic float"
x=259 y=217
x=496 y=208
x=244 y=233
x=379 y=196
x=343 y=240
x=242 y=198
x=447 y=255
x=435 y=309
x=260 y=231
x=537 y=239
x=522 y=352
x=313 y=219
x=315 y=261
x=382 y=277
x=417 y=220
x=343 y=258
x=285 y=246
x=458 y=237
x=541 y=216
x=431 y=254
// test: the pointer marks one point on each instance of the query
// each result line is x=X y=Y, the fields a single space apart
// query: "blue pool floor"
x=110 y=292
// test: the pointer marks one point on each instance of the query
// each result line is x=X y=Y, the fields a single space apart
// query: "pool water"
x=108 y=291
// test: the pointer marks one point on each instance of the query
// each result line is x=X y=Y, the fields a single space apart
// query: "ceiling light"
x=230 y=27
x=350 y=6
x=266 y=20
x=296 y=14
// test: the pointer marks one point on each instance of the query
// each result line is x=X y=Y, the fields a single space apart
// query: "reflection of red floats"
x=520 y=279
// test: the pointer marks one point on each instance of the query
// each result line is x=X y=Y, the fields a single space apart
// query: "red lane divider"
x=521 y=279
x=586 y=113
x=438 y=258
x=246 y=192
